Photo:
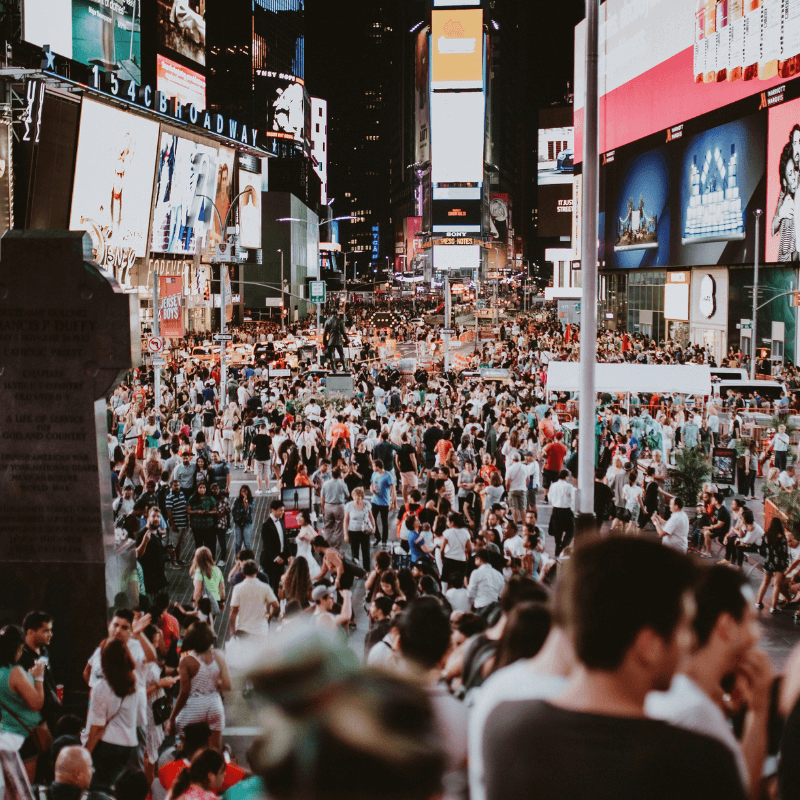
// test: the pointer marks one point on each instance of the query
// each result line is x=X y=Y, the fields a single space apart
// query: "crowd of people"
x=420 y=496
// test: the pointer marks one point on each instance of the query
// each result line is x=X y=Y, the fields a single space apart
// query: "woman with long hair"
x=156 y=684
x=524 y=633
x=242 y=513
x=21 y=697
x=202 y=508
x=202 y=779
x=305 y=536
x=289 y=472
x=203 y=674
x=201 y=475
x=113 y=716
x=208 y=580
x=775 y=563
x=296 y=583
x=358 y=526
x=131 y=471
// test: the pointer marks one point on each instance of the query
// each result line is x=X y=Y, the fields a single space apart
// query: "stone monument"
x=68 y=333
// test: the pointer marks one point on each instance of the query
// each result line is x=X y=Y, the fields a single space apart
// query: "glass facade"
x=613 y=297
x=646 y=304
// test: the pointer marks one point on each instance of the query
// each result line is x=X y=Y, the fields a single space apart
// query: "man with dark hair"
x=253 y=603
x=333 y=496
x=276 y=553
x=720 y=524
x=593 y=739
x=380 y=613
x=384 y=499
x=726 y=637
x=562 y=521
x=38 y=629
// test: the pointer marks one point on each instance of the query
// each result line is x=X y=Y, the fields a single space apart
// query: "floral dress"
x=777 y=559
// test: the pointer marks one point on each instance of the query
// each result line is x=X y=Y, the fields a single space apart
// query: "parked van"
x=768 y=390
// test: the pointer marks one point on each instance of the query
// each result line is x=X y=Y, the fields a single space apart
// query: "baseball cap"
x=321 y=592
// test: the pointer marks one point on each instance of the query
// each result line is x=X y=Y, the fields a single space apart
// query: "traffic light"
x=215 y=273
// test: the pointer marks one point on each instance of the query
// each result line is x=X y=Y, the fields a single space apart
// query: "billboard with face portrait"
x=249 y=209
x=113 y=185
x=182 y=28
x=224 y=193
x=186 y=174
x=284 y=97
x=783 y=168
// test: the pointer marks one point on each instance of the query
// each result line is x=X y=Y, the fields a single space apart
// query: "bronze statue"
x=334 y=337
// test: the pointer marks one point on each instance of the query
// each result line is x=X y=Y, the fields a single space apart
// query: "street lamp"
x=315 y=224
x=283 y=295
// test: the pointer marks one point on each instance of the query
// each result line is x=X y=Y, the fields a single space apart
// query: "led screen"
x=460 y=215
x=174 y=80
x=113 y=185
x=676 y=60
x=224 y=195
x=676 y=301
x=457 y=137
x=457 y=49
x=94 y=32
x=783 y=167
x=556 y=155
x=187 y=172
x=285 y=100
x=249 y=209
x=456 y=256
x=182 y=27
x=555 y=209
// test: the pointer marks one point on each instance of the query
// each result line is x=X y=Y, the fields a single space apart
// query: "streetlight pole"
x=156 y=332
x=283 y=296
x=757 y=214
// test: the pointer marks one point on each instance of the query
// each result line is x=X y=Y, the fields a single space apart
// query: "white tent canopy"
x=694 y=379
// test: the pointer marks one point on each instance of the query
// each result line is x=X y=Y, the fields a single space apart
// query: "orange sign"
x=457 y=49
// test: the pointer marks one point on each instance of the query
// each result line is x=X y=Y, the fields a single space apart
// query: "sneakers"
x=759 y=605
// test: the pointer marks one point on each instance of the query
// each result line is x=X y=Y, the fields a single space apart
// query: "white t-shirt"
x=457 y=539
x=688 y=706
x=517 y=477
x=118 y=715
x=252 y=597
x=677 y=532
x=514 y=547
x=137 y=654
x=515 y=682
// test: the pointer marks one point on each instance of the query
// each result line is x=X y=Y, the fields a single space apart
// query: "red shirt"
x=554 y=459
x=168 y=774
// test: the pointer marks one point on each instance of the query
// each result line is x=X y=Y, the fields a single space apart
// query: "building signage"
x=170 y=306
x=708 y=296
x=146 y=98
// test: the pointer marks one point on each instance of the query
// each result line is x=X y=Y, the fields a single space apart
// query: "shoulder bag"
x=42 y=737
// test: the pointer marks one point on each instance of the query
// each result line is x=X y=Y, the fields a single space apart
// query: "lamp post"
x=757 y=214
x=283 y=296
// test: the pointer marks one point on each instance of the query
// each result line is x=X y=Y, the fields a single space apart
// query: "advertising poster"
x=555 y=209
x=186 y=173
x=500 y=226
x=182 y=28
x=90 y=31
x=723 y=179
x=249 y=209
x=413 y=231
x=783 y=167
x=457 y=140
x=174 y=80
x=170 y=306
x=639 y=216
x=556 y=155
x=224 y=195
x=457 y=49
x=113 y=187
x=422 y=109
x=285 y=100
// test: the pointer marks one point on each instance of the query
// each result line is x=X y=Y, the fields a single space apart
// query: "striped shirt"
x=176 y=504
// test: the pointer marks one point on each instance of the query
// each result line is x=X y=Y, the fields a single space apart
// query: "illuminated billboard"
x=556 y=155
x=224 y=195
x=457 y=49
x=458 y=256
x=783 y=168
x=174 y=80
x=249 y=209
x=422 y=121
x=181 y=27
x=456 y=215
x=187 y=172
x=94 y=32
x=680 y=60
x=285 y=100
x=113 y=187
x=457 y=137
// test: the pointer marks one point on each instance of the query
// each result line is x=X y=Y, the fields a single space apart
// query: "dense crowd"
x=519 y=662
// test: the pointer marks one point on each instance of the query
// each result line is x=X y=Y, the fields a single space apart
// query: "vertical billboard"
x=500 y=228
x=249 y=209
x=187 y=173
x=457 y=123
x=422 y=109
x=170 y=306
x=95 y=32
x=457 y=48
x=113 y=186
x=285 y=100
x=175 y=80
x=224 y=194
x=556 y=155
x=783 y=168
x=181 y=26
x=415 y=260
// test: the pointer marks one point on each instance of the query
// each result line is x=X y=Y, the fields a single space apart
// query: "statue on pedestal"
x=334 y=337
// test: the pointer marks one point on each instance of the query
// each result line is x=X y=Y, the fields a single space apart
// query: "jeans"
x=359 y=540
x=382 y=513
x=242 y=536
x=780 y=459
x=110 y=761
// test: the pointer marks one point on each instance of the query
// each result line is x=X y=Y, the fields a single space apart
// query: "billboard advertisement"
x=783 y=167
x=285 y=99
x=422 y=110
x=457 y=123
x=675 y=60
x=457 y=48
x=556 y=155
x=456 y=256
x=224 y=195
x=413 y=233
x=170 y=306
x=555 y=209
x=250 y=209
x=501 y=231
x=174 y=80
x=113 y=187
x=90 y=31
x=187 y=171
x=456 y=215
x=181 y=26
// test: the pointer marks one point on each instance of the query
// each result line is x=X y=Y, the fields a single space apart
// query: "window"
x=318 y=127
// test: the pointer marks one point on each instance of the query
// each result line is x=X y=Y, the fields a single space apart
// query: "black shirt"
x=722 y=515
x=431 y=437
x=603 y=497
x=263 y=442
x=404 y=457
x=568 y=755
x=152 y=561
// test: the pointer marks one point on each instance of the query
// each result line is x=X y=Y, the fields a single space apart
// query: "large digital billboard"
x=422 y=110
x=113 y=187
x=285 y=98
x=457 y=137
x=556 y=155
x=456 y=256
x=249 y=209
x=175 y=80
x=95 y=32
x=187 y=173
x=224 y=195
x=674 y=60
x=456 y=215
x=182 y=27
x=457 y=49
x=783 y=168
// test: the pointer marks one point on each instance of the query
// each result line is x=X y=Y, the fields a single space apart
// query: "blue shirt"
x=383 y=484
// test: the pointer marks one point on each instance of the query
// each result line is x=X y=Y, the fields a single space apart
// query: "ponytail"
x=204 y=762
